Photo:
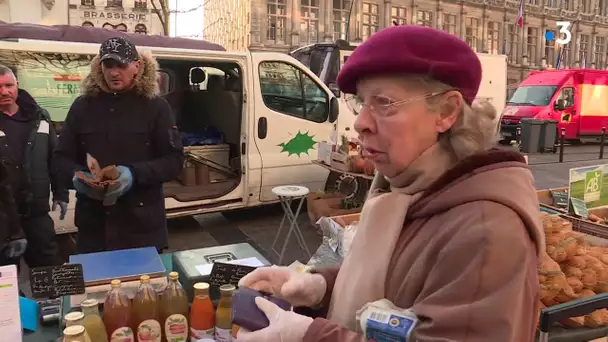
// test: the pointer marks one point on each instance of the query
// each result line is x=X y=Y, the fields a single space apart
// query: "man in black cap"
x=121 y=121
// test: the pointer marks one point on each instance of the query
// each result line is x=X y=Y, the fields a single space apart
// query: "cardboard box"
x=327 y=205
x=324 y=152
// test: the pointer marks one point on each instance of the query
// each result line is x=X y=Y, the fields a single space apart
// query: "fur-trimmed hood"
x=146 y=83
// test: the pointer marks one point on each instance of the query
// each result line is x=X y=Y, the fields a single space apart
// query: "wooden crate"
x=344 y=220
x=545 y=199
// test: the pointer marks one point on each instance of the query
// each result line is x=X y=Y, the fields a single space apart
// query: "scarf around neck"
x=363 y=274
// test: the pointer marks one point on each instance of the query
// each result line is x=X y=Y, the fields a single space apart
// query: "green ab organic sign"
x=587 y=184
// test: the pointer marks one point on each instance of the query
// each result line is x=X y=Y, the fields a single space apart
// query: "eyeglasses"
x=382 y=106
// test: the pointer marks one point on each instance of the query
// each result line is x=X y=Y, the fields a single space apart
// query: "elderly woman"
x=450 y=228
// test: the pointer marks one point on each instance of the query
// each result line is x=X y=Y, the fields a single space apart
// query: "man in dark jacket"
x=27 y=142
x=12 y=239
x=120 y=120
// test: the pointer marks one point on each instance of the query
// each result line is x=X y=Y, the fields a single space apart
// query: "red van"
x=578 y=99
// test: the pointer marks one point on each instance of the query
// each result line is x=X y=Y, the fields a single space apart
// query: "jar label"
x=223 y=335
x=123 y=334
x=201 y=335
x=176 y=328
x=149 y=330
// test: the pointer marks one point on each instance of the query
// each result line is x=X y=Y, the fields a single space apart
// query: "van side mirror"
x=334 y=89
x=560 y=104
x=334 y=109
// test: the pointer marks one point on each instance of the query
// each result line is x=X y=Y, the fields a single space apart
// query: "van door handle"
x=262 y=128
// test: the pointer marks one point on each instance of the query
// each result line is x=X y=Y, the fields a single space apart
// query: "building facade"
x=45 y=12
x=136 y=16
x=122 y=15
x=486 y=25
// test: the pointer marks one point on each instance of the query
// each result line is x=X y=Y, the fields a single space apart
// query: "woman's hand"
x=285 y=326
x=299 y=289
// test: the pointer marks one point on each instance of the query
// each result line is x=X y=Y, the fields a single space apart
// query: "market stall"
x=348 y=183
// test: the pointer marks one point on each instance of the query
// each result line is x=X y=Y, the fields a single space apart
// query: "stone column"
x=413 y=14
x=504 y=34
x=328 y=32
x=591 y=51
x=462 y=23
x=483 y=45
x=295 y=23
x=387 y=14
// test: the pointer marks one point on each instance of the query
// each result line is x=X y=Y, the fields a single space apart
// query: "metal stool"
x=287 y=194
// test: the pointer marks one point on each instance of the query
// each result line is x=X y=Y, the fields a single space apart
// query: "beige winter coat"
x=466 y=260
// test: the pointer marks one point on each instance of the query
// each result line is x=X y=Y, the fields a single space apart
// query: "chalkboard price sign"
x=560 y=198
x=579 y=207
x=223 y=273
x=57 y=281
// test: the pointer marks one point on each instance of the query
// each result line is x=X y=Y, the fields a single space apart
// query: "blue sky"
x=187 y=24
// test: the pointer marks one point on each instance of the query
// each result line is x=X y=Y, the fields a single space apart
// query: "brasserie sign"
x=114 y=15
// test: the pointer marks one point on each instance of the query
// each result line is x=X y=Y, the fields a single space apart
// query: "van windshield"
x=532 y=96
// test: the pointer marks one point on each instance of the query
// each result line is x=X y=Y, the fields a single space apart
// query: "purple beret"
x=414 y=50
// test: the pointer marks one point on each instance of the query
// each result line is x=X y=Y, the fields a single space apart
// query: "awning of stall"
x=80 y=34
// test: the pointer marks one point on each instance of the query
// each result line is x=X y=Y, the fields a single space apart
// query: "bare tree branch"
x=162 y=13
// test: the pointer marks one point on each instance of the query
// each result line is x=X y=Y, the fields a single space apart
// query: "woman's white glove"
x=285 y=326
x=299 y=289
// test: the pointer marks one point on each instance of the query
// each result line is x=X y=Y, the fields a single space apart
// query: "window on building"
x=512 y=43
x=114 y=3
x=88 y=24
x=472 y=32
x=493 y=37
x=600 y=52
x=585 y=6
x=603 y=9
x=552 y=3
x=551 y=49
x=277 y=18
x=583 y=50
x=309 y=24
x=121 y=27
x=449 y=23
x=399 y=15
x=141 y=29
x=532 y=43
x=140 y=4
x=424 y=18
x=341 y=10
x=87 y=2
x=371 y=20
x=534 y=2
x=288 y=90
x=568 y=5
x=564 y=61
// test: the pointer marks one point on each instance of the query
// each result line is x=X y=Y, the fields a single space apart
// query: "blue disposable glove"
x=86 y=189
x=125 y=183
x=63 y=208
x=14 y=248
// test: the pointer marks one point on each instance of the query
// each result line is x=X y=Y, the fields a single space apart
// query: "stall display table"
x=50 y=332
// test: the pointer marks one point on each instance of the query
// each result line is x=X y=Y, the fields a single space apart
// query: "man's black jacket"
x=134 y=129
x=33 y=177
x=10 y=222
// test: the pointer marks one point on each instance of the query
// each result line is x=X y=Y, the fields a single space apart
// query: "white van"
x=266 y=113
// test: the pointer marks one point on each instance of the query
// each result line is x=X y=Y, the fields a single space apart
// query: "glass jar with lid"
x=76 y=318
x=74 y=333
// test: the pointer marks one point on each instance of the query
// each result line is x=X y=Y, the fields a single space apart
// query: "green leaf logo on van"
x=301 y=143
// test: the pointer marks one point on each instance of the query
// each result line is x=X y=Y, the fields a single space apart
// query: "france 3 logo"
x=564 y=35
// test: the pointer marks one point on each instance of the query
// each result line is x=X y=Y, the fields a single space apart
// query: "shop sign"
x=588 y=184
x=114 y=16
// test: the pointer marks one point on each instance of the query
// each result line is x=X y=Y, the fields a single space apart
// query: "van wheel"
x=347 y=185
